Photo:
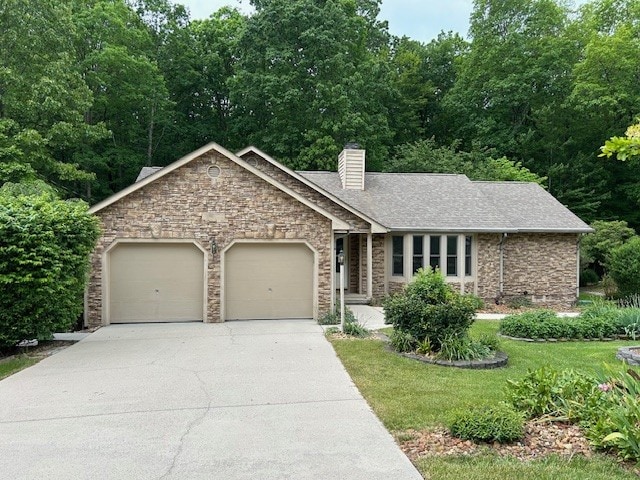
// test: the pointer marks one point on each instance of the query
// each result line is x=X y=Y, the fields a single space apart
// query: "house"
x=218 y=236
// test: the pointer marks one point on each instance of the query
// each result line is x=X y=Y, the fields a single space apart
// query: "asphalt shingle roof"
x=147 y=172
x=441 y=202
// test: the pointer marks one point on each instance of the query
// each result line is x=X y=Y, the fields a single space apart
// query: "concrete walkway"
x=240 y=400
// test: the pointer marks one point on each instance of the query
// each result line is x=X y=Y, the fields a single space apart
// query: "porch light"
x=214 y=246
x=341 y=257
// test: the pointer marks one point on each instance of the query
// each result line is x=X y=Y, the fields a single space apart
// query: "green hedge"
x=44 y=259
x=546 y=324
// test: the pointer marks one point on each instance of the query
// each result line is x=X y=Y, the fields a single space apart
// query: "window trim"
x=408 y=255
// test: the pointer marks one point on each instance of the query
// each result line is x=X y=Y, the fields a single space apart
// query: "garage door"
x=268 y=281
x=156 y=283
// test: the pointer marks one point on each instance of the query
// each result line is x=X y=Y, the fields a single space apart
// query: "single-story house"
x=219 y=236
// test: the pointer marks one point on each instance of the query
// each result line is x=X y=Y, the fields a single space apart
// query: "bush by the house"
x=44 y=259
x=519 y=302
x=488 y=423
x=429 y=308
x=624 y=267
x=606 y=406
x=461 y=347
x=546 y=324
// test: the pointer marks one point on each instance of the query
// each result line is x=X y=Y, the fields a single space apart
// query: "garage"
x=268 y=281
x=155 y=282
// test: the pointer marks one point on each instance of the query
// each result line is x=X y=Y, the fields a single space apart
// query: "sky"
x=418 y=19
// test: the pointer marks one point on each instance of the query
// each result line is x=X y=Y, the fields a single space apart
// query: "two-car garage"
x=166 y=281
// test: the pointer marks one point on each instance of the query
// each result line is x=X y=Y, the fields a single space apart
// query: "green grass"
x=490 y=467
x=407 y=394
x=13 y=365
x=410 y=394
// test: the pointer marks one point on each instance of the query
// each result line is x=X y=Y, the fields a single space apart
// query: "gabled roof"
x=338 y=224
x=147 y=172
x=375 y=226
x=441 y=202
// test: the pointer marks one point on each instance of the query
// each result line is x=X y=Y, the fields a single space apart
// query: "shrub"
x=588 y=276
x=488 y=423
x=533 y=324
x=354 y=328
x=329 y=318
x=561 y=395
x=629 y=321
x=44 y=261
x=596 y=247
x=609 y=286
x=428 y=307
x=624 y=267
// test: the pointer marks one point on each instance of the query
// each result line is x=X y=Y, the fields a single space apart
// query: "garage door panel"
x=156 y=283
x=269 y=281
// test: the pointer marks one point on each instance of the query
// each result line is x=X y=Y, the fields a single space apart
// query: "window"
x=418 y=252
x=434 y=251
x=468 y=243
x=398 y=255
x=452 y=255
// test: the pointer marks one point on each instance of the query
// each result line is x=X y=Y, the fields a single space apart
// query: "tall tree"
x=312 y=76
x=43 y=96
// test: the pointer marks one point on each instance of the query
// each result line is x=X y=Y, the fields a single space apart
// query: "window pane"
x=398 y=255
x=434 y=251
x=418 y=248
x=452 y=256
x=468 y=243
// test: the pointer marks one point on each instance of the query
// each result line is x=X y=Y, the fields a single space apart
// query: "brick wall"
x=188 y=204
x=540 y=266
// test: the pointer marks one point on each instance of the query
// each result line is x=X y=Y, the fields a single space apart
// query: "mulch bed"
x=540 y=440
x=43 y=349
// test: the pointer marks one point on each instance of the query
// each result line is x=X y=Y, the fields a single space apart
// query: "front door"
x=342 y=245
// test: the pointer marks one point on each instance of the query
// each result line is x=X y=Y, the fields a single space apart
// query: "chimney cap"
x=352 y=146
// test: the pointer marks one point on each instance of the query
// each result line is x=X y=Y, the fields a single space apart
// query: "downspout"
x=501 y=284
x=578 y=266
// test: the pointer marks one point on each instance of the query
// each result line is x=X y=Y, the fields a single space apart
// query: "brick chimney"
x=351 y=167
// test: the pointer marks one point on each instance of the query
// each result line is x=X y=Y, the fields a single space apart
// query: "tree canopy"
x=92 y=90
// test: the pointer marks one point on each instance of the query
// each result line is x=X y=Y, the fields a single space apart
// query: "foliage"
x=588 y=276
x=609 y=286
x=402 y=341
x=427 y=156
x=461 y=347
x=546 y=324
x=428 y=307
x=44 y=249
x=565 y=395
x=354 y=328
x=329 y=318
x=624 y=267
x=488 y=423
x=519 y=302
x=624 y=148
x=596 y=247
x=616 y=428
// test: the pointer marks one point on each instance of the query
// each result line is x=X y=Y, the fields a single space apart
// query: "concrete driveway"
x=240 y=400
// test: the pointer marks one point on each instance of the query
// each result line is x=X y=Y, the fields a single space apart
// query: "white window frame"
x=407 y=253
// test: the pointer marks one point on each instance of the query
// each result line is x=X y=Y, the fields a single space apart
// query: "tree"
x=596 y=247
x=624 y=266
x=312 y=77
x=43 y=96
x=426 y=156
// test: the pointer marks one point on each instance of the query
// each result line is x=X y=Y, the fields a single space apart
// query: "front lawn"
x=15 y=364
x=407 y=394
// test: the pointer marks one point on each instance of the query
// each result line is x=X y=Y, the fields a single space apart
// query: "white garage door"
x=268 y=281
x=156 y=283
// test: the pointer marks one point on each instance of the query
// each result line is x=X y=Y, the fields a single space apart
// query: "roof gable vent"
x=351 y=163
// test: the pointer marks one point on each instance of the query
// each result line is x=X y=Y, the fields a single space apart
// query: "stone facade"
x=188 y=204
x=539 y=266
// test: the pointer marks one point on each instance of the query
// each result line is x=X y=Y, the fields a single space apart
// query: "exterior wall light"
x=214 y=247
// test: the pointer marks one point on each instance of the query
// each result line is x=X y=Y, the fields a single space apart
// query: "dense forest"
x=92 y=90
